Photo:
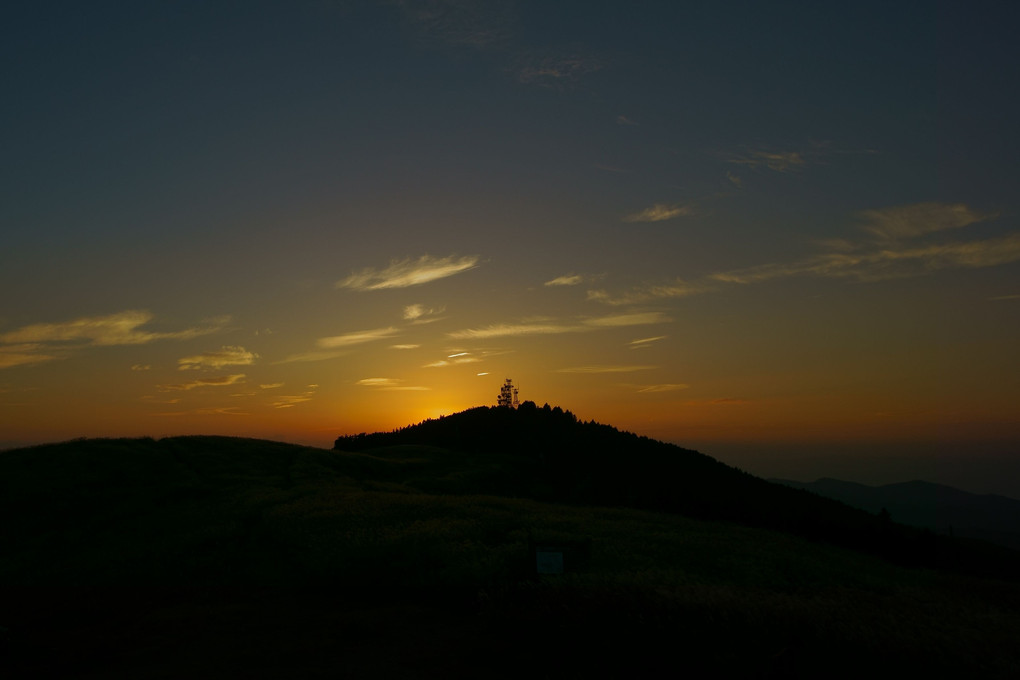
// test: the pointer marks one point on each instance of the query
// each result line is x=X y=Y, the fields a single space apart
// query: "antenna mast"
x=508 y=395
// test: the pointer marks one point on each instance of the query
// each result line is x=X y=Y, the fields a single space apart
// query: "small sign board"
x=548 y=560
x=560 y=557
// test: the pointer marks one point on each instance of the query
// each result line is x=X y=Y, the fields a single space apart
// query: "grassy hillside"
x=220 y=556
x=547 y=454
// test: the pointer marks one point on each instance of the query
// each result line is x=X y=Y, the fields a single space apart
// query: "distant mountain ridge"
x=938 y=507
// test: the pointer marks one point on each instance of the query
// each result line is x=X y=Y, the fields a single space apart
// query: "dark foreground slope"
x=213 y=557
x=548 y=454
x=941 y=508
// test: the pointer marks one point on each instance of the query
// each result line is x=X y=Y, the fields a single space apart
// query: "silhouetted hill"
x=941 y=508
x=548 y=454
x=226 y=557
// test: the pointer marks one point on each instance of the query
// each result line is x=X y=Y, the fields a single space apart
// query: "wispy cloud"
x=553 y=328
x=356 y=338
x=336 y=346
x=443 y=363
x=660 y=212
x=667 y=387
x=222 y=411
x=422 y=314
x=554 y=69
x=677 y=289
x=877 y=264
x=292 y=400
x=605 y=369
x=1004 y=297
x=903 y=243
x=778 y=161
x=270 y=386
x=44 y=342
x=501 y=330
x=220 y=381
x=378 y=382
x=624 y=120
x=618 y=320
x=406 y=273
x=304 y=357
x=566 y=280
x=788 y=160
x=149 y=399
x=141 y=367
x=123 y=328
x=404 y=346
x=229 y=355
x=25 y=355
x=908 y=221
x=645 y=342
x=394 y=384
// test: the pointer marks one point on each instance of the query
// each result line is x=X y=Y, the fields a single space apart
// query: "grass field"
x=216 y=556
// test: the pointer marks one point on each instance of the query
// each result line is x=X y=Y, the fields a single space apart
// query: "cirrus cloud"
x=908 y=221
x=605 y=369
x=394 y=384
x=660 y=212
x=409 y=272
x=554 y=328
x=227 y=356
x=356 y=338
x=123 y=328
x=566 y=280
x=220 y=381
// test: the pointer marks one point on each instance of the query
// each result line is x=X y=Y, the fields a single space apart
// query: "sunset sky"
x=785 y=234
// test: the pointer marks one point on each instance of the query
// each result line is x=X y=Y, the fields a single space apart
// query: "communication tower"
x=508 y=395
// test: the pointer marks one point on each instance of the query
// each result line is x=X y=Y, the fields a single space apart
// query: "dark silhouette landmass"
x=944 y=509
x=489 y=543
x=548 y=454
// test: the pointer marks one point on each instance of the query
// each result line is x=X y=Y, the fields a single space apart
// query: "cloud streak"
x=644 y=342
x=44 y=342
x=668 y=387
x=409 y=272
x=123 y=328
x=292 y=400
x=227 y=356
x=422 y=314
x=777 y=161
x=552 y=328
x=565 y=280
x=605 y=369
x=356 y=338
x=391 y=384
x=887 y=263
x=554 y=70
x=909 y=221
x=220 y=381
x=902 y=243
x=660 y=212
x=24 y=355
x=677 y=289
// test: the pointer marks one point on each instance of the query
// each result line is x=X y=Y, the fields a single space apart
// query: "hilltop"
x=548 y=454
x=412 y=554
